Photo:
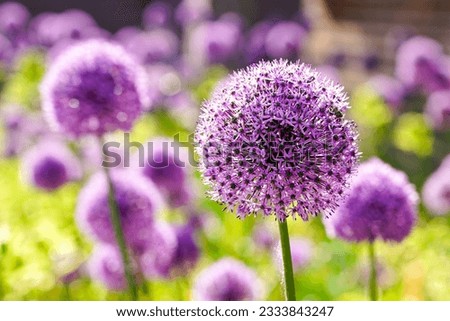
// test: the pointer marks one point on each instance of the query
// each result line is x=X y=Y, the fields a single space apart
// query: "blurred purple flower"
x=255 y=48
x=371 y=62
x=301 y=253
x=263 y=237
x=49 y=165
x=48 y=28
x=138 y=201
x=94 y=87
x=390 y=89
x=227 y=280
x=157 y=14
x=187 y=251
x=156 y=45
x=436 y=190
x=166 y=164
x=6 y=52
x=337 y=59
x=381 y=203
x=285 y=40
x=105 y=266
x=206 y=47
x=420 y=62
x=157 y=252
x=190 y=12
x=13 y=19
x=437 y=110
x=273 y=139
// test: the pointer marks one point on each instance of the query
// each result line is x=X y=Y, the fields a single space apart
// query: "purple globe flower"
x=93 y=88
x=157 y=14
x=138 y=202
x=273 y=139
x=227 y=280
x=157 y=45
x=105 y=265
x=263 y=237
x=371 y=61
x=47 y=29
x=157 y=252
x=190 y=12
x=285 y=40
x=49 y=165
x=420 y=62
x=390 y=89
x=205 y=47
x=436 y=190
x=381 y=203
x=13 y=19
x=255 y=48
x=166 y=164
x=187 y=251
x=301 y=253
x=437 y=110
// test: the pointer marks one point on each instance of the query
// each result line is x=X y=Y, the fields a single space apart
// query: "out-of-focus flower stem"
x=287 y=262
x=115 y=219
x=373 y=288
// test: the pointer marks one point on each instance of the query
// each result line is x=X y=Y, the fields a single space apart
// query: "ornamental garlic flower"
x=49 y=165
x=13 y=19
x=227 y=280
x=381 y=203
x=285 y=40
x=436 y=190
x=437 y=110
x=94 y=87
x=137 y=199
x=273 y=139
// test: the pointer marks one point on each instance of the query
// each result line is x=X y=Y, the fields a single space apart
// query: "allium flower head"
x=193 y=11
x=381 y=203
x=49 y=165
x=436 y=190
x=13 y=18
x=227 y=280
x=187 y=252
x=255 y=47
x=93 y=88
x=158 y=250
x=420 y=62
x=157 y=14
x=105 y=265
x=273 y=139
x=137 y=199
x=166 y=164
x=285 y=40
x=437 y=110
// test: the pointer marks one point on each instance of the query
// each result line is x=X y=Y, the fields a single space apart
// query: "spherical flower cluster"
x=49 y=165
x=437 y=110
x=166 y=164
x=157 y=14
x=193 y=11
x=157 y=45
x=187 y=252
x=420 y=62
x=138 y=201
x=105 y=265
x=13 y=18
x=436 y=190
x=93 y=88
x=381 y=203
x=285 y=40
x=273 y=139
x=227 y=280
x=255 y=48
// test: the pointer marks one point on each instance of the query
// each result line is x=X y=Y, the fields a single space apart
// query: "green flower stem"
x=115 y=219
x=373 y=288
x=287 y=262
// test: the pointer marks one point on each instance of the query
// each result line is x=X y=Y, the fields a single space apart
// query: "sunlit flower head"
x=94 y=87
x=381 y=204
x=227 y=280
x=273 y=139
